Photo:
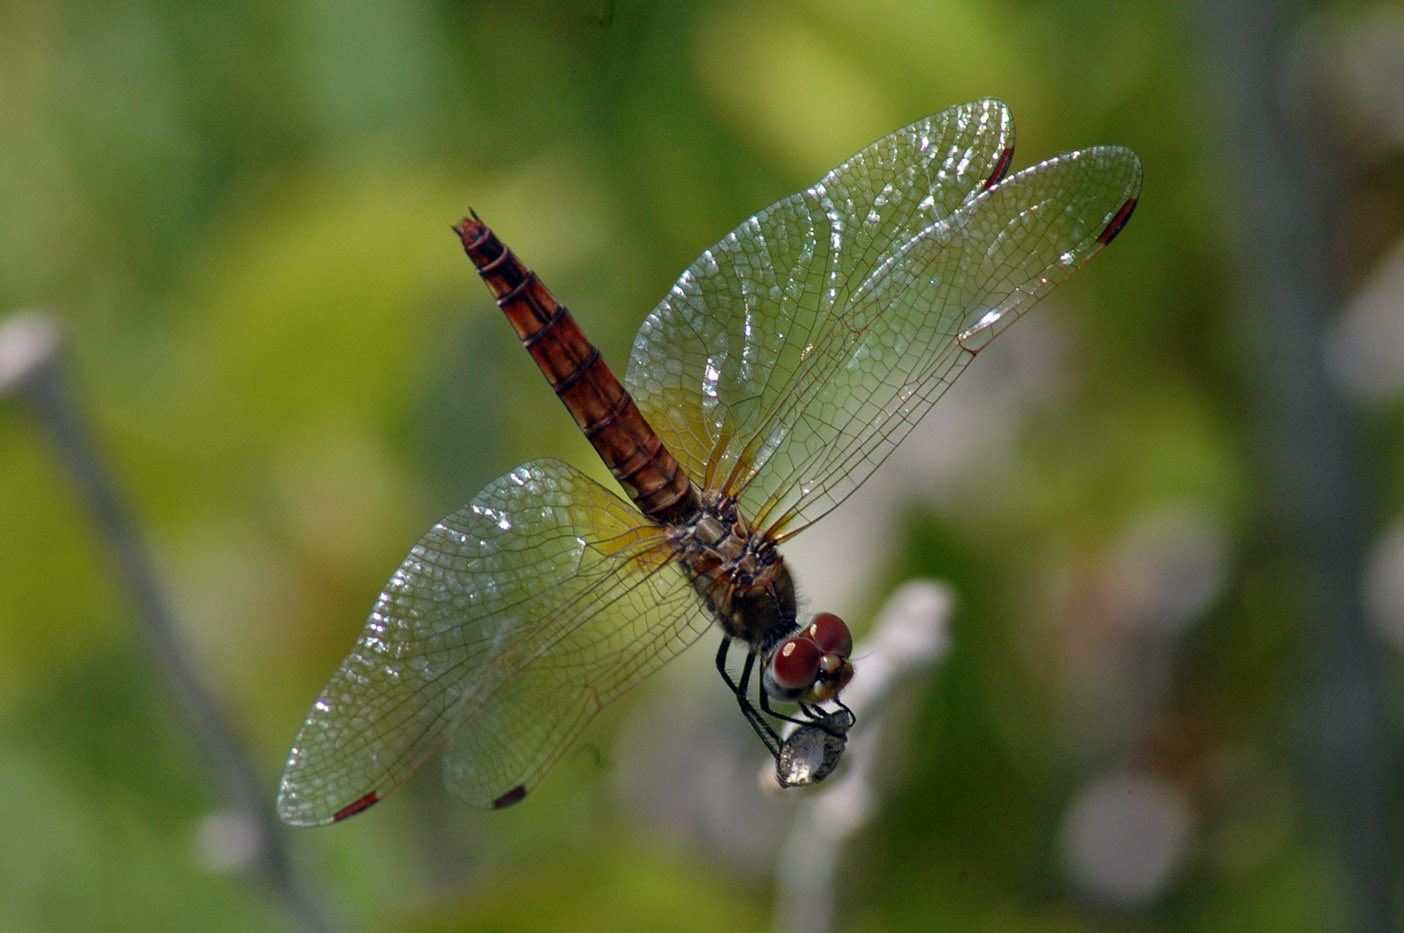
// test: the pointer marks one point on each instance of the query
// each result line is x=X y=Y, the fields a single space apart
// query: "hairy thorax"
x=739 y=572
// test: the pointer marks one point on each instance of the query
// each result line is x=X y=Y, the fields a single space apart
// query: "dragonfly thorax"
x=739 y=572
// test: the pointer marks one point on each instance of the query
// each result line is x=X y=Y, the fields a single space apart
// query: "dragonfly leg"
x=818 y=715
x=753 y=716
x=808 y=711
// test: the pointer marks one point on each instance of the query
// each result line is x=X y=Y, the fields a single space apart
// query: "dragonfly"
x=783 y=367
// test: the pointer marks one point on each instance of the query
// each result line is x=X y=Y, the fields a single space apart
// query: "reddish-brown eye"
x=791 y=670
x=831 y=634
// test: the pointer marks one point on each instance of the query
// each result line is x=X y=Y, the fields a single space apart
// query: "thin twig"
x=31 y=370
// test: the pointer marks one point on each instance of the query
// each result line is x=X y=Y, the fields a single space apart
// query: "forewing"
x=512 y=621
x=801 y=397
x=735 y=337
x=920 y=316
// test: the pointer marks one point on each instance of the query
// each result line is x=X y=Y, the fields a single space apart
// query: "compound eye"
x=792 y=669
x=831 y=635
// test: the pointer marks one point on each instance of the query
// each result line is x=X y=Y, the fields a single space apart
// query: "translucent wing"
x=510 y=624
x=742 y=325
x=794 y=355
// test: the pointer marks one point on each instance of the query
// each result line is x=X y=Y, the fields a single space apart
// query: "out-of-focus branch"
x=1282 y=188
x=909 y=638
x=31 y=371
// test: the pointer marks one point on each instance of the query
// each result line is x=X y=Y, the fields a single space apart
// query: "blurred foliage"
x=241 y=214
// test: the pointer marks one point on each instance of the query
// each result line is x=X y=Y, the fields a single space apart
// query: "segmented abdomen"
x=583 y=381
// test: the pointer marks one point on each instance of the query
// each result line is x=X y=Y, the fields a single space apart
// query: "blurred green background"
x=1168 y=502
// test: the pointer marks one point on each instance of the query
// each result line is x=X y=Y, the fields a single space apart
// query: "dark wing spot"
x=1000 y=168
x=509 y=798
x=1117 y=222
x=357 y=807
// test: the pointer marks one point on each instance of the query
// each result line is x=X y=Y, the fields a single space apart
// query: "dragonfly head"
x=813 y=666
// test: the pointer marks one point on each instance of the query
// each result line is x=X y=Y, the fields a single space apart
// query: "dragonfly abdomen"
x=601 y=406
